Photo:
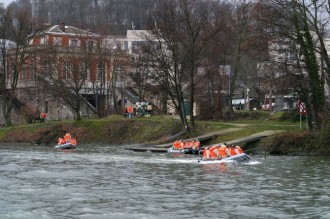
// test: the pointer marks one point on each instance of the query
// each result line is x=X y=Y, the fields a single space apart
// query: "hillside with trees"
x=273 y=47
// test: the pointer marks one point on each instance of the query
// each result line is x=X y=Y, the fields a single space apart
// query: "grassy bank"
x=160 y=129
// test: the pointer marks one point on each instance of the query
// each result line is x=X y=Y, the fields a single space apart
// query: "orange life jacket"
x=212 y=153
x=206 y=154
x=232 y=151
x=179 y=145
x=67 y=137
x=240 y=150
x=196 y=144
x=186 y=144
x=222 y=152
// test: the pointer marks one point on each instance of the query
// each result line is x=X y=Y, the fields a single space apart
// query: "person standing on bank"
x=42 y=117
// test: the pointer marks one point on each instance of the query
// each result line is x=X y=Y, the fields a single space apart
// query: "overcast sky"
x=6 y=2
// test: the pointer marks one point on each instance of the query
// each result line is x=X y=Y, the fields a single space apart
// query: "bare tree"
x=182 y=31
x=17 y=26
x=305 y=24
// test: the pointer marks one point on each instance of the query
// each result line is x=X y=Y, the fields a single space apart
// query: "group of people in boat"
x=186 y=144
x=67 y=139
x=217 y=152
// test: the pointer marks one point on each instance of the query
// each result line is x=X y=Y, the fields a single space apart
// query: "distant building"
x=5 y=45
x=55 y=53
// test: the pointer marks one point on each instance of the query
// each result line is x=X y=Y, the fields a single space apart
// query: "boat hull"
x=239 y=158
x=65 y=146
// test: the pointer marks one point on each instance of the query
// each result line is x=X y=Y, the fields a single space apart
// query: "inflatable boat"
x=66 y=146
x=239 y=158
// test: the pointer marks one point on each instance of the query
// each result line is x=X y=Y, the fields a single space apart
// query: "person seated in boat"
x=191 y=144
x=214 y=152
x=232 y=150
x=187 y=144
x=223 y=151
x=206 y=154
x=196 y=144
x=177 y=145
x=181 y=145
x=73 y=141
x=59 y=141
x=209 y=154
x=227 y=150
x=238 y=150
x=174 y=145
x=67 y=137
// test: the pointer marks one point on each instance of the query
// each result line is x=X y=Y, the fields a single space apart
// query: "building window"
x=67 y=70
x=44 y=40
x=84 y=71
x=57 y=41
x=75 y=43
x=101 y=71
x=91 y=44
x=26 y=72
x=118 y=45
x=46 y=69
x=137 y=46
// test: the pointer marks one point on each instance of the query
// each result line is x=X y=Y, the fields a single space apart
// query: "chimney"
x=62 y=26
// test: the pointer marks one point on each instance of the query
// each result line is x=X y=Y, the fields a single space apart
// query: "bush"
x=292 y=143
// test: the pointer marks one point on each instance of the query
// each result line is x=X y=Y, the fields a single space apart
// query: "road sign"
x=302 y=108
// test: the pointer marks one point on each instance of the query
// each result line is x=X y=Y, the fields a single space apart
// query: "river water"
x=110 y=182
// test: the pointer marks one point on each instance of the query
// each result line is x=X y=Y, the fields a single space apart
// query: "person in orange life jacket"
x=232 y=150
x=238 y=150
x=177 y=145
x=206 y=154
x=191 y=143
x=196 y=144
x=73 y=141
x=227 y=150
x=222 y=151
x=59 y=141
x=67 y=137
x=174 y=144
x=42 y=117
x=215 y=153
x=181 y=145
x=212 y=154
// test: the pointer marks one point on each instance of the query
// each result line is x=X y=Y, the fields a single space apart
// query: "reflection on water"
x=110 y=182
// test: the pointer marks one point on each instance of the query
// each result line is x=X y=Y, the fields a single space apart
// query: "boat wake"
x=252 y=162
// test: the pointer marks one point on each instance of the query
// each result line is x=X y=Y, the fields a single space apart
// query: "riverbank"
x=161 y=129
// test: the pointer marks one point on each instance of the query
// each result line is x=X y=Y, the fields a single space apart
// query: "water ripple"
x=109 y=182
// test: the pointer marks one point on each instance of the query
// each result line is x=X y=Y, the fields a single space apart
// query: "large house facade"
x=61 y=52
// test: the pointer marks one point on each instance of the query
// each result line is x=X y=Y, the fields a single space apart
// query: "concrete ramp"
x=254 y=137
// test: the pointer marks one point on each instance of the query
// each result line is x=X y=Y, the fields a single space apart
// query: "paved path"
x=254 y=137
